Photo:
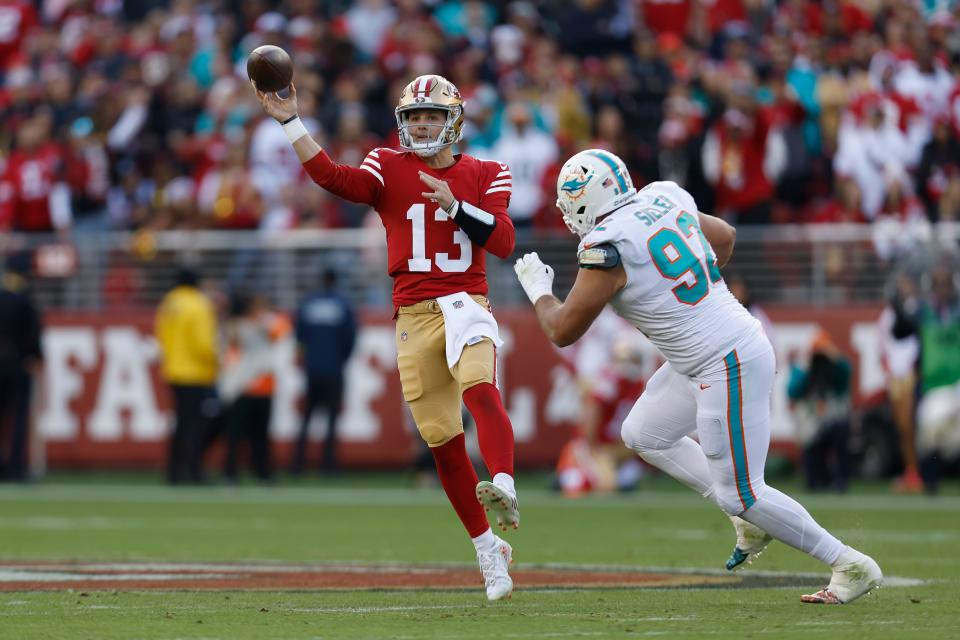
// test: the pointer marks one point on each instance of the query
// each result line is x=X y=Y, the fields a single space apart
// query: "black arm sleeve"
x=475 y=222
x=904 y=324
x=599 y=256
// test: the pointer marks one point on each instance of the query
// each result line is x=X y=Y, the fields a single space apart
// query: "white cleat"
x=854 y=575
x=502 y=502
x=494 y=566
x=751 y=541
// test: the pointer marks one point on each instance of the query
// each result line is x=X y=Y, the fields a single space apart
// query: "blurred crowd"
x=138 y=115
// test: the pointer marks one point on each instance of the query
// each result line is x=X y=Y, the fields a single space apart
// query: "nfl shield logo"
x=458 y=304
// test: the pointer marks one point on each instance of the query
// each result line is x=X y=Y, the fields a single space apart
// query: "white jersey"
x=674 y=292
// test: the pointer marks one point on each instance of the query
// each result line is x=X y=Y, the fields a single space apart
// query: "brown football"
x=270 y=68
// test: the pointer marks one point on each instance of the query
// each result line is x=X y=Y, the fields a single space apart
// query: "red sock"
x=494 y=431
x=459 y=480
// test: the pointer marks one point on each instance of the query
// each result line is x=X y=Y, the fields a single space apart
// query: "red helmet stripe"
x=423 y=86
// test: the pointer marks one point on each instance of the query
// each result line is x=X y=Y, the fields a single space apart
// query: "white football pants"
x=728 y=405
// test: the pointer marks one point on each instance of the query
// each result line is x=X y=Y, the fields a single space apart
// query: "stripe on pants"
x=738 y=447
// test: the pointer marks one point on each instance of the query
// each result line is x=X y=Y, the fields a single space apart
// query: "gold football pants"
x=431 y=388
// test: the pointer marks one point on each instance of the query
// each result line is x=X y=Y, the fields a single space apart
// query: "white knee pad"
x=634 y=436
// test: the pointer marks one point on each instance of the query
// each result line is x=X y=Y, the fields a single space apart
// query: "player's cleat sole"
x=751 y=542
x=501 y=503
x=851 y=579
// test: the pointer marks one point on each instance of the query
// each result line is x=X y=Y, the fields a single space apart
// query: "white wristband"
x=294 y=129
x=538 y=290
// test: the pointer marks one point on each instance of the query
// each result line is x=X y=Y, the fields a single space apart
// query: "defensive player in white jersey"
x=656 y=260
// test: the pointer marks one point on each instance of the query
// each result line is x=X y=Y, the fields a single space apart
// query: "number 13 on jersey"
x=416 y=214
x=674 y=258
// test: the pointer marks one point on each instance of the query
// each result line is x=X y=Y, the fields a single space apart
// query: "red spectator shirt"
x=17 y=17
x=29 y=181
x=428 y=255
x=666 y=16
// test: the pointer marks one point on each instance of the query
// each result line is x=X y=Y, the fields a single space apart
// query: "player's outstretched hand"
x=439 y=191
x=280 y=109
x=535 y=277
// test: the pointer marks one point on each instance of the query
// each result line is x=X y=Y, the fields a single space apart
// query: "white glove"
x=535 y=277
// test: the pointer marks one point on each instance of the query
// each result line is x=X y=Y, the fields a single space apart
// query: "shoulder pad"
x=599 y=256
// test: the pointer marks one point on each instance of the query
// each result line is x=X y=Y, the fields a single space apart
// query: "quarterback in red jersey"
x=442 y=213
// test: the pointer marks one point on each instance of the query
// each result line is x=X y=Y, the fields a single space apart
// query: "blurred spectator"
x=19 y=17
x=274 y=165
x=901 y=223
x=742 y=158
x=367 y=24
x=20 y=358
x=186 y=330
x=666 y=16
x=938 y=174
x=870 y=150
x=925 y=78
x=326 y=330
x=88 y=176
x=609 y=400
x=819 y=392
x=678 y=135
x=34 y=195
x=247 y=383
x=608 y=364
x=898 y=356
x=593 y=27
x=227 y=195
x=936 y=323
x=738 y=286
x=528 y=152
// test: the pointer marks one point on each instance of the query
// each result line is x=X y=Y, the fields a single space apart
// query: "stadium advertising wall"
x=102 y=402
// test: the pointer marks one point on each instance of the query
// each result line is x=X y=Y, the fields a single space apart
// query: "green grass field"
x=381 y=518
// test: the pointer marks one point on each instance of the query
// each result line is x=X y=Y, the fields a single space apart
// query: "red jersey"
x=30 y=178
x=17 y=17
x=428 y=255
x=615 y=396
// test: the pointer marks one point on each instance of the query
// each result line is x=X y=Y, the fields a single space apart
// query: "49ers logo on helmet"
x=422 y=87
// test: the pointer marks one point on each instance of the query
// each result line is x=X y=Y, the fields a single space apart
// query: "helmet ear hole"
x=581 y=210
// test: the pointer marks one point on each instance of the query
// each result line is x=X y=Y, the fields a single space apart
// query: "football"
x=270 y=68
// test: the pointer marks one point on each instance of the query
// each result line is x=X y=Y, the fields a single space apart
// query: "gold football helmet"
x=430 y=92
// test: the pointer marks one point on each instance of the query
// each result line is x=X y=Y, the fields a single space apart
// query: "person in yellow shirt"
x=186 y=329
